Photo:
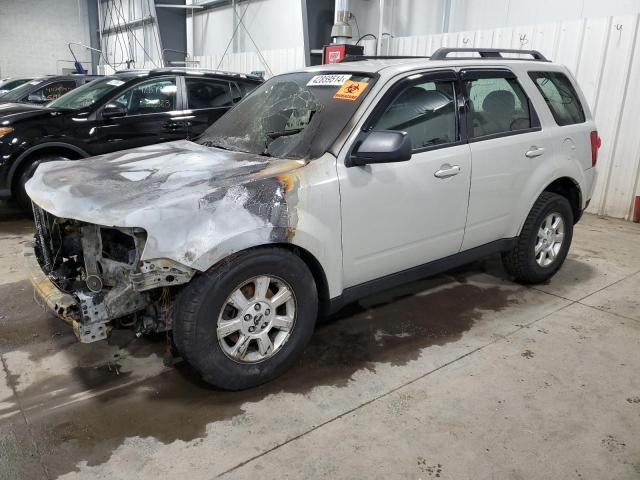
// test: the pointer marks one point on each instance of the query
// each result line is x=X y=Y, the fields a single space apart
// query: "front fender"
x=299 y=208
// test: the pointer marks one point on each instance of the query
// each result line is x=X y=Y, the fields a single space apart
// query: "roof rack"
x=442 y=53
x=357 y=58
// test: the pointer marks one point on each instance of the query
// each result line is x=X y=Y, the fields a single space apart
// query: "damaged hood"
x=188 y=197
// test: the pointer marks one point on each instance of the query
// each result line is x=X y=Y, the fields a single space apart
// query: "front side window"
x=54 y=90
x=426 y=111
x=208 y=93
x=294 y=115
x=497 y=106
x=152 y=96
x=560 y=96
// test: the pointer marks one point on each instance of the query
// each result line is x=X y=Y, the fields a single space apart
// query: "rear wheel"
x=246 y=322
x=544 y=241
x=22 y=177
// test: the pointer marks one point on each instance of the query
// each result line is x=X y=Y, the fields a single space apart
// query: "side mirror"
x=381 y=147
x=113 y=111
x=33 y=98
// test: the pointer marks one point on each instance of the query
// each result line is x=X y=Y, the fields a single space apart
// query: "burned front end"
x=94 y=278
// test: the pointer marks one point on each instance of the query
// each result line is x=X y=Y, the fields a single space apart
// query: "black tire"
x=22 y=177
x=199 y=304
x=520 y=262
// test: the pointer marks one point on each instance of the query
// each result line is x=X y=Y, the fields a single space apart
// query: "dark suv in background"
x=112 y=113
x=7 y=84
x=43 y=90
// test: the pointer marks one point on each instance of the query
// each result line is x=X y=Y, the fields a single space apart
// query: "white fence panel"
x=604 y=55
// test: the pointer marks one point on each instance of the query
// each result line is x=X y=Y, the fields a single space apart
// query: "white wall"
x=479 y=14
x=420 y=17
x=273 y=24
x=34 y=35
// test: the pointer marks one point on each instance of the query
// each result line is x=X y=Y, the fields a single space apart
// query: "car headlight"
x=5 y=130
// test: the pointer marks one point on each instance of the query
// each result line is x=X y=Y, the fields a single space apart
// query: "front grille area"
x=78 y=256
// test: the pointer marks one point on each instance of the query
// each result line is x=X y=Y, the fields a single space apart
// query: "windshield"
x=87 y=94
x=17 y=93
x=296 y=115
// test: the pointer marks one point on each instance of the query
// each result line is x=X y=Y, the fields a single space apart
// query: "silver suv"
x=320 y=187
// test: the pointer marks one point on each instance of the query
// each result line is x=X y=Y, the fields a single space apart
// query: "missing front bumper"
x=63 y=305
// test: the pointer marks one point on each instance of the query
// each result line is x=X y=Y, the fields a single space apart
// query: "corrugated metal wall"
x=604 y=55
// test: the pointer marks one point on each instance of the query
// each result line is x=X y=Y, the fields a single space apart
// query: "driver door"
x=153 y=115
x=400 y=215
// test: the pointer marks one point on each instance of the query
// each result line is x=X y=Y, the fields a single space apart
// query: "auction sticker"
x=328 y=80
x=350 y=90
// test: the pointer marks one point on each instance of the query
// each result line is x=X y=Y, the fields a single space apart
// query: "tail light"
x=596 y=143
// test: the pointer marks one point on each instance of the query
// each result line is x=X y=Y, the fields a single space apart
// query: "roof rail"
x=357 y=58
x=442 y=53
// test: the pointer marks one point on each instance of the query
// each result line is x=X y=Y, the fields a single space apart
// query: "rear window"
x=560 y=96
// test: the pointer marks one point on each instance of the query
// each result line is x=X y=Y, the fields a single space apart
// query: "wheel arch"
x=570 y=189
x=310 y=260
x=54 y=148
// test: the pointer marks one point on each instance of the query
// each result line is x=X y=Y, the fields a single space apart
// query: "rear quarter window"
x=560 y=96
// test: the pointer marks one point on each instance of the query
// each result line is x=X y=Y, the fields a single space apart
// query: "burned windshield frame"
x=287 y=117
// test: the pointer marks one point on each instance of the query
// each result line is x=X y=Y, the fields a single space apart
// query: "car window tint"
x=426 y=112
x=560 y=96
x=13 y=84
x=54 y=90
x=497 y=105
x=153 y=96
x=208 y=93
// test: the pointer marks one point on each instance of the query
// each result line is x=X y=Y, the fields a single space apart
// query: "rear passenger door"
x=507 y=143
x=207 y=99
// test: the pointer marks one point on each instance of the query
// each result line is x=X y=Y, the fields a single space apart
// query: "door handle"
x=534 y=152
x=447 y=171
x=171 y=125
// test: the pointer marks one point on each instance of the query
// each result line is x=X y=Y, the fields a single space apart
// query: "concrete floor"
x=465 y=375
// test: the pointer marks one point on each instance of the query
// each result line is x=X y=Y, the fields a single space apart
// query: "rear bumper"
x=63 y=305
x=590 y=176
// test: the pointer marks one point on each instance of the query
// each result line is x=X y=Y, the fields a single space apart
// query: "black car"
x=7 y=84
x=112 y=113
x=45 y=89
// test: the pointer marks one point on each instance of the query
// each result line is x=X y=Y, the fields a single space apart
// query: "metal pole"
x=100 y=33
x=380 y=29
x=446 y=16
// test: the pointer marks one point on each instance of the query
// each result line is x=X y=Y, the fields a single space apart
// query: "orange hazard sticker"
x=350 y=90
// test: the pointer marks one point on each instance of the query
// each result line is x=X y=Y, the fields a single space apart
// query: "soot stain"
x=176 y=405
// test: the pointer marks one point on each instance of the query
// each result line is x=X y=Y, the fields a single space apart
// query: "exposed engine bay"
x=101 y=268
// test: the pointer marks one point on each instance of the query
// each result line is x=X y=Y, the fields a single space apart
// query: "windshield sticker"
x=328 y=80
x=115 y=83
x=350 y=90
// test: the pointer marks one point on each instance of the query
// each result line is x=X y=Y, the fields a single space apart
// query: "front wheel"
x=544 y=241
x=246 y=321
